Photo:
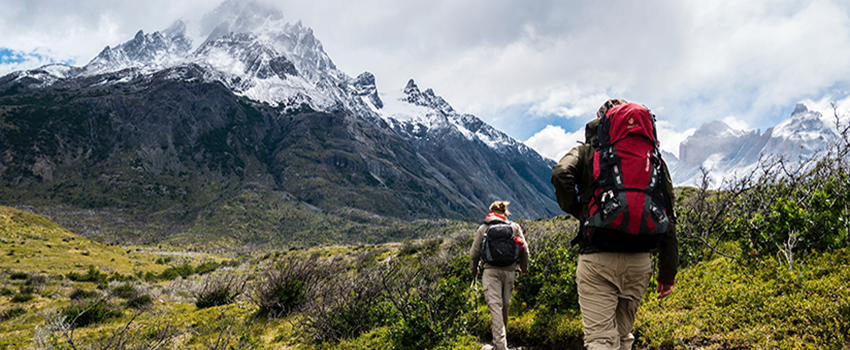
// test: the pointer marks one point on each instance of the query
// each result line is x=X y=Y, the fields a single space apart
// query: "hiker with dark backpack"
x=500 y=247
x=619 y=188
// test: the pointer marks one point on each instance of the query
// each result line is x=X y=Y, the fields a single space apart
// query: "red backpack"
x=630 y=208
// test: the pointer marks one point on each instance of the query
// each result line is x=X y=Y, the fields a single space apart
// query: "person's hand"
x=664 y=290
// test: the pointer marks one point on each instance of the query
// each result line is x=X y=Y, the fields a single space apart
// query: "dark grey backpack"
x=499 y=247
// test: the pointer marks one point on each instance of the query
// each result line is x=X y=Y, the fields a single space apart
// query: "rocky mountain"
x=726 y=152
x=252 y=135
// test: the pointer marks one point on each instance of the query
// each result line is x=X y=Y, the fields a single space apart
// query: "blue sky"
x=536 y=70
x=12 y=60
x=8 y=56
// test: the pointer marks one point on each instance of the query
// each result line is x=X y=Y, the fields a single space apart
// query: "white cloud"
x=76 y=31
x=736 y=123
x=671 y=139
x=691 y=62
x=553 y=142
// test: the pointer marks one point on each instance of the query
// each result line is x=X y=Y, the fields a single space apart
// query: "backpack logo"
x=499 y=247
x=629 y=207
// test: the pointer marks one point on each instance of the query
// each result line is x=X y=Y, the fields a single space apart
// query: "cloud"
x=12 y=60
x=696 y=61
x=736 y=123
x=75 y=31
x=553 y=142
x=670 y=138
x=690 y=61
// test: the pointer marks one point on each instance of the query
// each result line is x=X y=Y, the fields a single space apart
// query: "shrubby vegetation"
x=765 y=264
x=789 y=208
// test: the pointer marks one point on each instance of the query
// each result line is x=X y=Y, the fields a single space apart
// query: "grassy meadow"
x=62 y=293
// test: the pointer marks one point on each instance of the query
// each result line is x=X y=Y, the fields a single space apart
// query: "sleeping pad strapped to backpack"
x=629 y=209
x=499 y=247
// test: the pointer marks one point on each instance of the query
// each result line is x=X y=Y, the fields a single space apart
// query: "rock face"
x=154 y=128
x=726 y=152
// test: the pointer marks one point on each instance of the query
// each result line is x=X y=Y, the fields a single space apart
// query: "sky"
x=537 y=70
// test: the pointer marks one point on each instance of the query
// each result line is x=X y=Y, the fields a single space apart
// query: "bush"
x=784 y=207
x=19 y=276
x=432 y=315
x=85 y=312
x=284 y=288
x=428 y=295
x=207 y=267
x=343 y=306
x=36 y=281
x=22 y=298
x=140 y=302
x=12 y=313
x=550 y=281
x=173 y=272
x=92 y=275
x=25 y=289
x=124 y=291
x=79 y=294
x=219 y=290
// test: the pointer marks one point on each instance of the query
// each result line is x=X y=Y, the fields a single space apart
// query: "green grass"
x=716 y=304
x=762 y=305
x=31 y=243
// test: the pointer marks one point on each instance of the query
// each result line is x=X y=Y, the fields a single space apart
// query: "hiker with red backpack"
x=500 y=246
x=619 y=188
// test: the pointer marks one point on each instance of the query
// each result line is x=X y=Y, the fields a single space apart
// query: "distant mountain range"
x=727 y=153
x=158 y=138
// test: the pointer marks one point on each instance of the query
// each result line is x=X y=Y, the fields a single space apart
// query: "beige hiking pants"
x=497 y=290
x=610 y=288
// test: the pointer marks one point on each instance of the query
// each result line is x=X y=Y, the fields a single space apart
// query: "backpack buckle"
x=609 y=203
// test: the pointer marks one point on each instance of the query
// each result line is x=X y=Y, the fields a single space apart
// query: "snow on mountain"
x=423 y=113
x=250 y=49
x=43 y=76
x=727 y=153
x=411 y=143
x=157 y=50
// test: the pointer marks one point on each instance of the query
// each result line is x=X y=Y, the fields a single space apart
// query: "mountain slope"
x=157 y=139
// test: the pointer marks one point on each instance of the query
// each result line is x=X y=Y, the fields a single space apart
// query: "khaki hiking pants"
x=497 y=290
x=610 y=288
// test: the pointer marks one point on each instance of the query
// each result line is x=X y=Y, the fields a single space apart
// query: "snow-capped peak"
x=424 y=113
x=250 y=49
x=715 y=129
x=804 y=125
x=158 y=49
x=726 y=152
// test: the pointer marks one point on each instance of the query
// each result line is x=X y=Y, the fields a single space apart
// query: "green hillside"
x=32 y=244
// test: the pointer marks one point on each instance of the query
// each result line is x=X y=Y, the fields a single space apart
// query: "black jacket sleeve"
x=565 y=176
x=668 y=251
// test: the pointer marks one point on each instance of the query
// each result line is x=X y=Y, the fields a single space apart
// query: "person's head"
x=608 y=105
x=500 y=207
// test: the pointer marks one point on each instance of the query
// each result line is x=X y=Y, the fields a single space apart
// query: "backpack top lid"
x=630 y=118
